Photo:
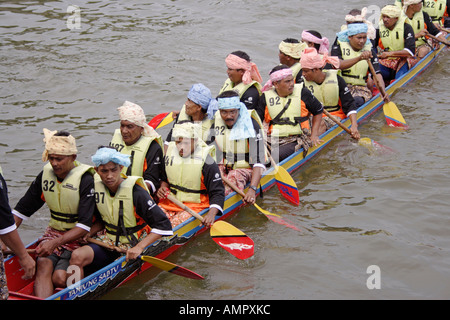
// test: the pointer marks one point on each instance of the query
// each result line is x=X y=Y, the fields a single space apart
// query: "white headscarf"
x=132 y=112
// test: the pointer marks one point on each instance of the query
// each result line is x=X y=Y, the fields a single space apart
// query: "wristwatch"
x=253 y=187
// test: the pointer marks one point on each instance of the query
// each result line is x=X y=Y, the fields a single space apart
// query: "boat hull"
x=117 y=273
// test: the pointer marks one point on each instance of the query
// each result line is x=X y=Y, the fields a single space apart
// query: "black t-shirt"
x=6 y=217
x=33 y=200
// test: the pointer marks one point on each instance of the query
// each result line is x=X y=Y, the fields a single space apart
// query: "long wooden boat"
x=117 y=273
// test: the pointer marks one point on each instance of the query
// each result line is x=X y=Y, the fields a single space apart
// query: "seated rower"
x=192 y=175
x=9 y=237
x=287 y=107
x=199 y=107
x=67 y=187
x=330 y=89
x=244 y=78
x=422 y=26
x=137 y=139
x=395 y=37
x=438 y=10
x=290 y=53
x=239 y=138
x=126 y=215
x=353 y=50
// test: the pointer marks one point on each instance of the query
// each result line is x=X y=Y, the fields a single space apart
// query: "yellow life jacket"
x=285 y=112
x=239 y=88
x=63 y=198
x=206 y=123
x=137 y=151
x=356 y=74
x=327 y=92
x=184 y=174
x=435 y=9
x=296 y=69
x=235 y=152
x=418 y=24
x=118 y=211
x=393 y=40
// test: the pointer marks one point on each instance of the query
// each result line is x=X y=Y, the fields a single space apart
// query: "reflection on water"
x=357 y=208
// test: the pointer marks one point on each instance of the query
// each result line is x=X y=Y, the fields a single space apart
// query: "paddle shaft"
x=9 y=251
x=336 y=121
x=377 y=83
x=437 y=39
x=184 y=207
x=105 y=245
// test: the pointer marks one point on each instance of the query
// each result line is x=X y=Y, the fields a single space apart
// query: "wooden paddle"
x=271 y=216
x=437 y=39
x=224 y=234
x=366 y=142
x=161 y=120
x=159 y=263
x=393 y=116
x=9 y=251
x=285 y=183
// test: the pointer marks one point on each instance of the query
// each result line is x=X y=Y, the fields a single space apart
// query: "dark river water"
x=358 y=210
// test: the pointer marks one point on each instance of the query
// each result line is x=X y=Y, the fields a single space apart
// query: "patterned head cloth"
x=293 y=50
x=132 y=112
x=243 y=127
x=251 y=70
x=186 y=130
x=391 y=11
x=201 y=95
x=105 y=155
x=371 y=32
x=61 y=145
x=407 y=3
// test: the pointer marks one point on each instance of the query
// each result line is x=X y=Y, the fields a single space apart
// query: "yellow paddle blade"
x=171 y=267
x=366 y=142
x=267 y=213
x=167 y=119
x=393 y=116
x=223 y=228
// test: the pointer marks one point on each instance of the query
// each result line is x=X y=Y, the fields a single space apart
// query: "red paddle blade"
x=178 y=270
x=282 y=222
x=289 y=192
x=232 y=240
x=287 y=185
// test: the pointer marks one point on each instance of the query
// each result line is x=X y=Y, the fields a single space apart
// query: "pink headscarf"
x=277 y=76
x=311 y=59
x=324 y=43
x=251 y=70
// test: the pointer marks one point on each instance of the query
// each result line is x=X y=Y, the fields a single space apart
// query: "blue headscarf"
x=105 y=155
x=201 y=95
x=243 y=128
x=352 y=29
